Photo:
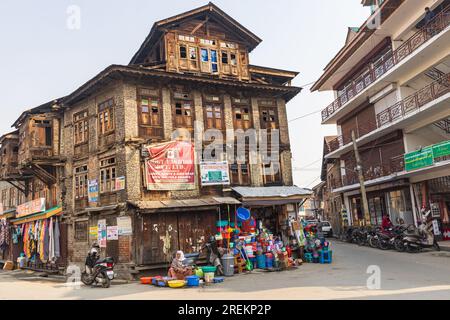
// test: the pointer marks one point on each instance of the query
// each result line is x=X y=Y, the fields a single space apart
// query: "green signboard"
x=441 y=149
x=419 y=159
x=427 y=156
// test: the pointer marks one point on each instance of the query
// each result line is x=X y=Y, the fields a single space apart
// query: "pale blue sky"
x=41 y=59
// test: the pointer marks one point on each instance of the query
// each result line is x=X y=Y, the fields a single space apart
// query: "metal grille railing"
x=389 y=60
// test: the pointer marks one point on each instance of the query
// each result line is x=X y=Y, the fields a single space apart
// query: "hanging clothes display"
x=41 y=239
x=4 y=234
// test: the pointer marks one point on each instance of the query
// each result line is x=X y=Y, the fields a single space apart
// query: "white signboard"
x=214 y=173
x=124 y=226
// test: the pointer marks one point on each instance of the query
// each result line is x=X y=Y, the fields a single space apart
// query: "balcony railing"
x=392 y=166
x=375 y=71
x=415 y=101
x=399 y=110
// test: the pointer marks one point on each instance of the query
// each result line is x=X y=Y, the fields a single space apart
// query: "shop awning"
x=183 y=205
x=270 y=196
x=56 y=211
x=8 y=214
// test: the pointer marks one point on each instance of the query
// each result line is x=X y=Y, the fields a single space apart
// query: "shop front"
x=39 y=237
x=434 y=195
x=164 y=227
x=394 y=201
x=274 y=206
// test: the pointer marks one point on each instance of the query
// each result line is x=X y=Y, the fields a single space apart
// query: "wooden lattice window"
x=150 y=113
x=81 y=127
x=81 y=231
x=213 y=112
x=81 y=182
x=106 y=117
x=242 y=114
x=107 y=175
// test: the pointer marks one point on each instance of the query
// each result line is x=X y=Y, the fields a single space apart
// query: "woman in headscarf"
x=177 y=269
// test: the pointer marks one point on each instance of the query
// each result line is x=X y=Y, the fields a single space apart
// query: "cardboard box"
x=9 y=265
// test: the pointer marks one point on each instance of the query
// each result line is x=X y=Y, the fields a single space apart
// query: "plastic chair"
x=326 y=256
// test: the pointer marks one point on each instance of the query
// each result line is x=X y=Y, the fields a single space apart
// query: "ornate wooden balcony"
x=375 y=71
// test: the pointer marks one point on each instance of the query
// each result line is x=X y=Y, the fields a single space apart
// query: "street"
x=403 y=276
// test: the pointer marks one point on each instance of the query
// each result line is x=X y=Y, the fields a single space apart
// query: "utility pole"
x=359 y=169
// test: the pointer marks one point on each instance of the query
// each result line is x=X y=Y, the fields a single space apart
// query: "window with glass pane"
x=81 y=182
x=106 y=117
x=107 y=175
x=81 y=127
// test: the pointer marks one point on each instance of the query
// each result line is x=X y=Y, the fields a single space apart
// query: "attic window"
x=186 y=38
x=228 y=45
x=208 y=42
x=224 y=57
x=183 y=52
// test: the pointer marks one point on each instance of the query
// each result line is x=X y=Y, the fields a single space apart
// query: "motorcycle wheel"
x=373 y=242
x=412 y=249
x=86 y=279
x=399 y=246
x=106 y=282
x=360 y=242
x=383 y=245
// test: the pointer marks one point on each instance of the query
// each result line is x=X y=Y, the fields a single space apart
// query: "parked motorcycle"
x=417 y=239
x=98 y=271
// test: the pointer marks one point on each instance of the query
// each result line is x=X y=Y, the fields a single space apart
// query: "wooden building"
x=91 y=148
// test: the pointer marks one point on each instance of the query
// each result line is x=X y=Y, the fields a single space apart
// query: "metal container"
x=228 y=265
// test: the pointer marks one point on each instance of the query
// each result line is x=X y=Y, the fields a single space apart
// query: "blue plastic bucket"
x=193 y=281
x=269 y=262
x=261 y=261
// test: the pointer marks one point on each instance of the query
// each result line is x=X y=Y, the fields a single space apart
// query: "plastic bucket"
x=193 y=281
x=269 y=261
x=261 y=261
x=209 y=277
x=228 y=265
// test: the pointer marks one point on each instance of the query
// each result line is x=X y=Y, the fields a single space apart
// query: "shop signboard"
x=419 y=159
x=170 y=166
x=214 y=173
x=441 y=149
x=124 y=226
x=30 y=208
x=93 y=191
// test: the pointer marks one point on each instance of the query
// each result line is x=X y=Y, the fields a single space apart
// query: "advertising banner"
x=214 y=173
x=102 y=233
x=170 y=166
x=120 y=184
x=30 y=208
x=112 y=233
x=93 y=191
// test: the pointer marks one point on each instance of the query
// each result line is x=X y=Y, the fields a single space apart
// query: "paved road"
x=403 y=276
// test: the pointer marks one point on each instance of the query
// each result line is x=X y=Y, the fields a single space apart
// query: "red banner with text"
x=170 y=166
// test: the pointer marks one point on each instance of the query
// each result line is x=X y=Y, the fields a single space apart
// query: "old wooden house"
x=91 y=148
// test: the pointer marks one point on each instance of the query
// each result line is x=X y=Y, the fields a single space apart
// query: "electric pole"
x=359 y=169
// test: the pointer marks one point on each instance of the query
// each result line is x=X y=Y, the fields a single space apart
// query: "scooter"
x=417 y=239
x=98 y=270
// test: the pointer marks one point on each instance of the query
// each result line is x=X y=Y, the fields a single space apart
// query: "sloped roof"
x=210 y=10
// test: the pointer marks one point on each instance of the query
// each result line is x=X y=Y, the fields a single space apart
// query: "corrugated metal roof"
x=270 y=192
x=188 y=203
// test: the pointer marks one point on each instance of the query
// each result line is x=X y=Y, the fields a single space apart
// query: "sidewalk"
x=445 y=245
x=29 y=275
